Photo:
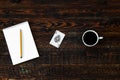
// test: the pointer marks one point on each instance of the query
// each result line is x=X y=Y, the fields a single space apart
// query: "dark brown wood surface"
x=73 y=60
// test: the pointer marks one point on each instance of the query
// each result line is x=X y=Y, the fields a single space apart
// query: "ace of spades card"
x=57 y=39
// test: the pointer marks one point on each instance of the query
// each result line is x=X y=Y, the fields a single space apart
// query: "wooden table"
x=73 y=60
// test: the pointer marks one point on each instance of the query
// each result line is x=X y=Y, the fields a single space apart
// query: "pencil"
x=20 y=43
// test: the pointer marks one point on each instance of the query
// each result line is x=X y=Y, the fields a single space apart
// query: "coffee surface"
x=90 y=38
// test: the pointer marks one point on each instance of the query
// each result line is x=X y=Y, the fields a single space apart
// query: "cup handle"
x=100 y=37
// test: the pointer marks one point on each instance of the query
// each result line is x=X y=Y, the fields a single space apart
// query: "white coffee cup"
x=90 y=38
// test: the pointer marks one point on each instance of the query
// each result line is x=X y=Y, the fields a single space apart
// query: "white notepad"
x=12 y=37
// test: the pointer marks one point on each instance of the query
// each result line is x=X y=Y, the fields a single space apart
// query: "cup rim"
x=94 y=33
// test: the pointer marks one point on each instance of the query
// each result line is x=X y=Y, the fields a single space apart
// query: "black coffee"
x=90 y=38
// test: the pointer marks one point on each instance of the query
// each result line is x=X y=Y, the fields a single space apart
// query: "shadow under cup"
x=90 y=38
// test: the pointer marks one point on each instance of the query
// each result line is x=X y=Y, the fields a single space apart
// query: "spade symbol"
x=57 y=38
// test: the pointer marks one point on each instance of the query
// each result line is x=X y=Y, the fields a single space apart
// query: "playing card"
x=57 y=39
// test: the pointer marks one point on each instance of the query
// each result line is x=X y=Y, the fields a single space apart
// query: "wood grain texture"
x=73 y=60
